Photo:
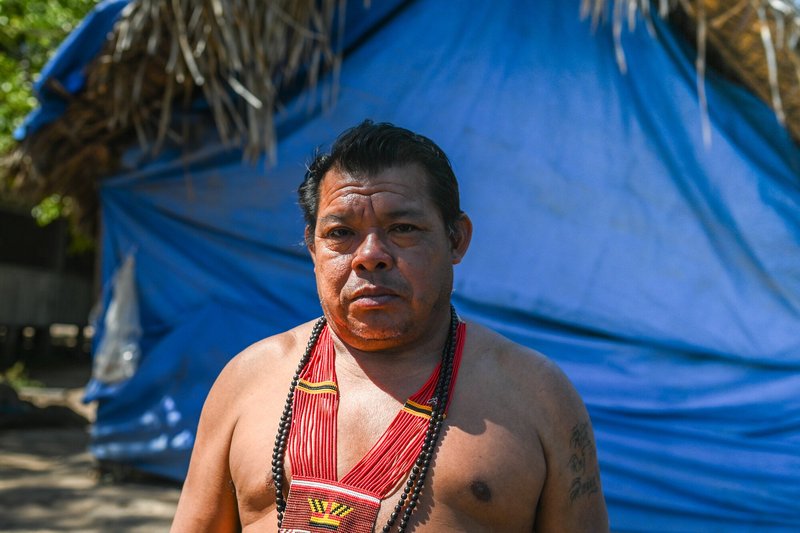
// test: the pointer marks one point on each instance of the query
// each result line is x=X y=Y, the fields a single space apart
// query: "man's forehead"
x=409 y=182
x=345 y=212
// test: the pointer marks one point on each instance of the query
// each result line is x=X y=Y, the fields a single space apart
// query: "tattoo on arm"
x=584 y=480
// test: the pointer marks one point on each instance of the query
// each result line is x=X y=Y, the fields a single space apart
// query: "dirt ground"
x=50 y=482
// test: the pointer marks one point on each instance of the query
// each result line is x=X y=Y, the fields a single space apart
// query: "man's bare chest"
x=481 y=473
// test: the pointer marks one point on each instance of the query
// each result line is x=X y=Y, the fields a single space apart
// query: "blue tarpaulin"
x=662 y=274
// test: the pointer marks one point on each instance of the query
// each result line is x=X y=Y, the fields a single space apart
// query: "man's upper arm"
x=572 y=497
x=208 y=500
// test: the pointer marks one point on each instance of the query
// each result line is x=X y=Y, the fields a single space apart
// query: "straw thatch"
x=238 y=54
x=757 y=40
x=163 y=54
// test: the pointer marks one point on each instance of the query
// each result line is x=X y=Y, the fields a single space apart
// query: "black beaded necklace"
x=416 y=479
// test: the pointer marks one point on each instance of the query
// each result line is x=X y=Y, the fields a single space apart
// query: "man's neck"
x=396 y=368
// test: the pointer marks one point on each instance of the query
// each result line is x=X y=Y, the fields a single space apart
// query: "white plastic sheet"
x=118 y=353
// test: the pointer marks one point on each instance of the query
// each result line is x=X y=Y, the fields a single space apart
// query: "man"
x=390 y=413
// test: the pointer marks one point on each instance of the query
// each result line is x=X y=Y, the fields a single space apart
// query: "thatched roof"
x=163 y=54
x=757 y=40
x=238 y=55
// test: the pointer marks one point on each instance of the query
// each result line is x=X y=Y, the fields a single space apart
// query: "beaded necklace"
x=327 y=513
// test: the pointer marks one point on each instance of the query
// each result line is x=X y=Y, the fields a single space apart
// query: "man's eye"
x=338 y=233
x=404 y=228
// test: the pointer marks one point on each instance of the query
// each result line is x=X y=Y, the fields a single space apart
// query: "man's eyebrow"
x=406 y=213
x=331 y=219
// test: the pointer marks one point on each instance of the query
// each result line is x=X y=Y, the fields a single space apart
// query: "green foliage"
x=30 y=31
x=79 y=242
x=56 y=206
x=50 y=209
x=17 y=377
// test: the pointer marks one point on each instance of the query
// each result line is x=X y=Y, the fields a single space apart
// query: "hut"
x=632 y=174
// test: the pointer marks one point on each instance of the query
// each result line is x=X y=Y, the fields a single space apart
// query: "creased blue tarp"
x=662 y=275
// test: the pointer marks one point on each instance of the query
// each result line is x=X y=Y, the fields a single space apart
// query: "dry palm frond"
x=756 y=39
x=235 y=54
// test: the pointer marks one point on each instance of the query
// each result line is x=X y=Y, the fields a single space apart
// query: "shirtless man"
x=515 y=451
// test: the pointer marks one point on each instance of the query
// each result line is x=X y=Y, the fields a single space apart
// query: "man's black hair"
x=368 y=149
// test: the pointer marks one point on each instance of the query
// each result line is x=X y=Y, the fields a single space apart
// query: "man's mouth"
x=373 y=296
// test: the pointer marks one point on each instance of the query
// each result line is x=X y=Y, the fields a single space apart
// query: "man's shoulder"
x=500 y=355
x=517 y=374
x=270 y=354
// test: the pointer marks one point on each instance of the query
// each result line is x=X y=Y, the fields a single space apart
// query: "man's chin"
x=375 y=328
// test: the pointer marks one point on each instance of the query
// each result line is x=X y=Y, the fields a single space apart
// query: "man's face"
x=382 y=257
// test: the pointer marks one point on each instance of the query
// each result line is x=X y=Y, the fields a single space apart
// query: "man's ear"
x=309 y=237
x=461 y=238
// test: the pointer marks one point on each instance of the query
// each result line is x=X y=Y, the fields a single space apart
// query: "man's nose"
x=372 y=254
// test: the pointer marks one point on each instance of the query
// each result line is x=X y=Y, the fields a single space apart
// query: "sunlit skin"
x=384 y=260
